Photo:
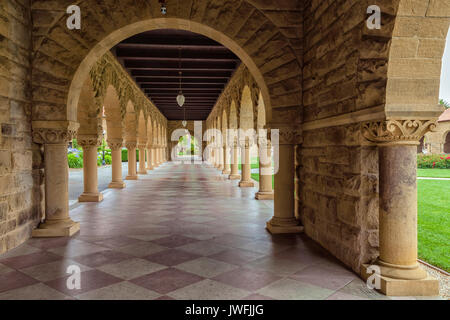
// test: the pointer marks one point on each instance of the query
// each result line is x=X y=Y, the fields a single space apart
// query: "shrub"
x=75 y=160
x=433 y=161
x=108 y=159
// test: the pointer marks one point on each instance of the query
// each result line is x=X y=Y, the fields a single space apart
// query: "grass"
x=433 y=173
x=434 y=222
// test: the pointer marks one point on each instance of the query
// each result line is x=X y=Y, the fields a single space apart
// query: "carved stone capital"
x=142 y=146
x=131 y=145
x=391 y=132
x=89 y=141
x=286 y=135
x=54 y=132
x=115 y=144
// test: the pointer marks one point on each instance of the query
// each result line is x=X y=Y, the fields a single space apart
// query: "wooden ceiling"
x=152 y=59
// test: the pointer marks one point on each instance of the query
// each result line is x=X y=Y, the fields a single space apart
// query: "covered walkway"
x=182 y=232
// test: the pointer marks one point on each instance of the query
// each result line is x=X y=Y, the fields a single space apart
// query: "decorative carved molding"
x=131 y=145
x=87 y=142
x=396 y=131
x=115 y=144
x=286 y=135
x=54 y=132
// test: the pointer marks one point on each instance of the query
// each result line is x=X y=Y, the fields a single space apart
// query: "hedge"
x=75 y=160
x=433 y=161
x=125 y=155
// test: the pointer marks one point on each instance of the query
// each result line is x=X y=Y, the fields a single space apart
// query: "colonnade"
x=57 y=222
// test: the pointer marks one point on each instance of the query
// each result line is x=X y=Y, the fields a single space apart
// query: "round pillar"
x=132 y=175
x=116 y=164
x=246 y=179
x=284 y=220
x=265 y=171
x=397 y=141
x=149 y=158
x=142 y=164
x=90 y=175
x=234 y=175
x=55 y=139
x=226 y=160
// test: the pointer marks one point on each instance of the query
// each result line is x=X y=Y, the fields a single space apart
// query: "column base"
x=53 y=229
x=90 y=197
x=264 y=195
x=132 y=178
x=246 y=184
x=428 y=286
x=292 y=227
x=117 y=185
x=227 y=172
x=149 y=168
x=220 y=168
x=143 y=172
x=234 y=177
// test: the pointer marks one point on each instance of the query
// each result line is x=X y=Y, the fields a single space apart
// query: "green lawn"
x=434 y=222
x=433 y=173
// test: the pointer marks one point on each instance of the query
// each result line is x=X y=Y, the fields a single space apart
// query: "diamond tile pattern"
x=180 y=232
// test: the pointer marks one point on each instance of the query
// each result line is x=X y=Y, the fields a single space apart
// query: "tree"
x=446 y=104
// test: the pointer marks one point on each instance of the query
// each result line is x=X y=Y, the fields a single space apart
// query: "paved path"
x=180 y=232
x=425 y=178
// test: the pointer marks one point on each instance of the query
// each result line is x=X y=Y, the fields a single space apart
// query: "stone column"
x=55 y=136
x=246 y=179
x=142 y=165
x=265 y=170
x=284 y=220
x=90 y=175
x=149 y=158
x=234 y=175
x=131 y=146
x=220 y=155
x=116 y=164
x=397 y=141
x=226 y=160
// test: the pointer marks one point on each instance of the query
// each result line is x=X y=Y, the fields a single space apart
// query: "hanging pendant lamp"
x=180 y=98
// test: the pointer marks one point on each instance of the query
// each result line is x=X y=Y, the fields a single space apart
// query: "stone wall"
x=344 y=80
x=337 y=188
x=20 y=159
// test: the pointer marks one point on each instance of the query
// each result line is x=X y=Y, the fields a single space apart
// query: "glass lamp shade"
x=181 y=99
x=184 y=123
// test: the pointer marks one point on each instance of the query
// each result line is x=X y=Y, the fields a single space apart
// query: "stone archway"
x=447 y=142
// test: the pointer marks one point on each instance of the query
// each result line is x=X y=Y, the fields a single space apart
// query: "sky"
x=445 y=74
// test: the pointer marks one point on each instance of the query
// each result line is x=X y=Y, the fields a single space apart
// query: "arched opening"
x=447 y=143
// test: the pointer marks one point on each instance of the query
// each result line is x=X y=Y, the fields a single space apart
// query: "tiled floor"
x=181 y=232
